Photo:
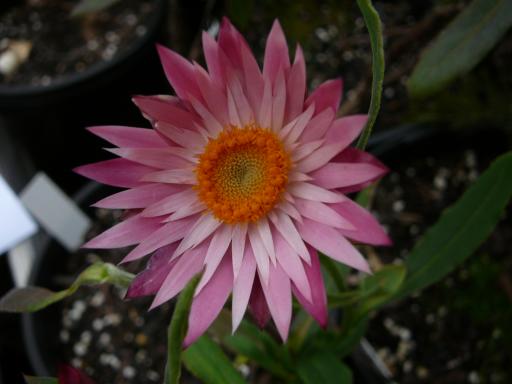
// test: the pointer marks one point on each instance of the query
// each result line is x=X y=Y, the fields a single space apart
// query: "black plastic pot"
x=24 y=96
x=41 y=329
x=50 y=121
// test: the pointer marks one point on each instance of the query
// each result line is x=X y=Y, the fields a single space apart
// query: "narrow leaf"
x=177 y=331
x=40 y=380
x=31 y=299
x=372 y=20
x=380 y=288
x=206 y=360
x=323 y=368
x=461 y=45
x=461 y=228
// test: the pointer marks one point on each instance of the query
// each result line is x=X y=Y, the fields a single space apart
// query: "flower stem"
x=372 y=20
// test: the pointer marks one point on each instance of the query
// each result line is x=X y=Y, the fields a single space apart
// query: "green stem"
x=372 y=20
x=177 y=330
x=332 y=269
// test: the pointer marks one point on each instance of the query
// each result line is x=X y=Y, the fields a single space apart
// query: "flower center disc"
x=242 y=173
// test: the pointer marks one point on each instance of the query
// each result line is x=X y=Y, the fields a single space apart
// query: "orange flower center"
x=242 y=173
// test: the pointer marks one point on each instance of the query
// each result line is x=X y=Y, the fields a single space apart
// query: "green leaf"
x=177 y=331
x=380 y=288
x=40 y=380
x=323 y=368
x=31 y=299
x=258 y=346
x=372 y=20
x=90 y=6
x=461 y=228
x=206 y=360
x=461 y=45
x=374 y=291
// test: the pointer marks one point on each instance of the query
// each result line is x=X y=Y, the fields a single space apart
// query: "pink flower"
x=242 y=177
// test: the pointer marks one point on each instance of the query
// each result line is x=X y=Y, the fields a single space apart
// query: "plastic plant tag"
x=15 y=222
x=55 y=211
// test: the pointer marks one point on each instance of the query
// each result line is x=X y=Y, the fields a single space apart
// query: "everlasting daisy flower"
x=243 y=177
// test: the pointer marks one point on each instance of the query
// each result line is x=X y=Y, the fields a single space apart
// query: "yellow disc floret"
x=242 y=173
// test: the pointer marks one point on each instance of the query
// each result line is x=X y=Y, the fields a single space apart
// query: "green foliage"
x=32 y=299
x=461 y=46
x=40 y=380
x=240 y=11
x=206 y=360
x=461 y=228
x=323 y=368
x=371 y=17
x=177 y=331
x=85 y=7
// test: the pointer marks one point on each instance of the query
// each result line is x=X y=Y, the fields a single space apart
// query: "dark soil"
x=457 y=331
x=64 y=45
x=113 y=340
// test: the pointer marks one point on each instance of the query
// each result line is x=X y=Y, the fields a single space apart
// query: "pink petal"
x=70 y=375
x=353 y=155
x=203 y=228
x=258 y=305
x=265 y=113
x=186 y=267
x=253 y=78
x=162 y=158
x=279 y=102
x=305 y=150
x=276 y=53
x=318 y=158
x=313 y=192
x=279 y=299
x=326 y=95
x=330 y=242
x=211 y=55
x=179 y=72
x=238 y=246
x=169 y=110
x=171 y=203
x=242 y=288
x=128 y=136
x=243 y=107
x=187 y=210
x=318 y=126
x=317 y=307
x=172 y=176
x=209 y=302
x=234 y=117
x=166 y=234
x=292 y=265
x=290 y=210
x=293 y=129
x=228 y=42
x=130 y=231
x=296 y=86
x=138 y=197
x=266 y=237
x=367 y=229
x=181 y=136
x=322 y=213
x=149 y=281
x=259 y=251
x=345 y=130
x=213 y=126
x=216 y=252
x=284 y=225
x=339 y=175
x=116 y=172
x=213 y=95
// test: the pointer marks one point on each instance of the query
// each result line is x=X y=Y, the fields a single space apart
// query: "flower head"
x=243 y=177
